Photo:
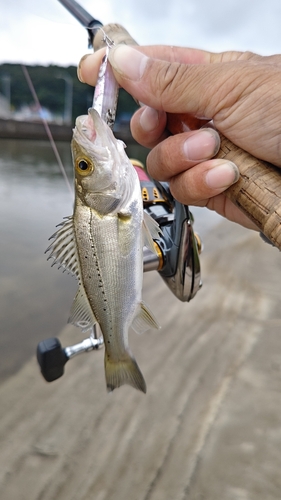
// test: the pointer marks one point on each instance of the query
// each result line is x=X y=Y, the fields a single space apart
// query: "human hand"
x=238 y=91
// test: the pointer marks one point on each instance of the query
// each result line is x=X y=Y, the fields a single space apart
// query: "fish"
x=101 y=244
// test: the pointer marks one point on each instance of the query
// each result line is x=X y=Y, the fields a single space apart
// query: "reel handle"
x=258 y=191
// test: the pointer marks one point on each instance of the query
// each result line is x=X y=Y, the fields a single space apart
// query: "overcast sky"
x=43 y=32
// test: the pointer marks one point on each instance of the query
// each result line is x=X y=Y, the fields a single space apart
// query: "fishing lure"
x=107 y=89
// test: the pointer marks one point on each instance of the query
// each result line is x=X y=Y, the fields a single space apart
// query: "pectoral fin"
x=144 y=320
x=151 y=231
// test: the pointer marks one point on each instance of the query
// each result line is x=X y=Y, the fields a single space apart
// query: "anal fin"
x=81 y=313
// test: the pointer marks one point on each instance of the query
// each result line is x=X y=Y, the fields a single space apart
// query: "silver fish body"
x=102 y=245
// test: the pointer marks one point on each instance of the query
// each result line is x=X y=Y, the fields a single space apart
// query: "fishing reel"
x=176 y=259
x=178 y=248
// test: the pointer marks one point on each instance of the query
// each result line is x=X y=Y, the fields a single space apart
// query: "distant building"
x=5 y=111
x=32 y=113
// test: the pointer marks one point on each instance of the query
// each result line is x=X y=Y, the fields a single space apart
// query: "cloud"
x=44 y=32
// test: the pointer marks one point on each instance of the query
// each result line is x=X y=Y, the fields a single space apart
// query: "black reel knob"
x=51 y=358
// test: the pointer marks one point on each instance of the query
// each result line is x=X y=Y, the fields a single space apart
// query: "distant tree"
x=50 y=89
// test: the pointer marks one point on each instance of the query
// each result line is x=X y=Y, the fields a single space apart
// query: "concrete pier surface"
x=209 y=427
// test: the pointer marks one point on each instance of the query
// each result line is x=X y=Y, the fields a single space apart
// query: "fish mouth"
x=91 y=130
x=86 y=128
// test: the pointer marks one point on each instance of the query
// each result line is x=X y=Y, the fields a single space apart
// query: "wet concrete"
x=209 y=426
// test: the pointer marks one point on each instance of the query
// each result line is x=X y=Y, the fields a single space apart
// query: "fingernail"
x=149 y=119
x=79 y=76
x=202 y=145
x=222 y=175
x=128 y=61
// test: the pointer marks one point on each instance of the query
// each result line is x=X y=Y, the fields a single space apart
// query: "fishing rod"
x=258 y=191
x=91 y=24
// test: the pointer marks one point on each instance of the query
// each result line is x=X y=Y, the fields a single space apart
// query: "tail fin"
x=125 y=371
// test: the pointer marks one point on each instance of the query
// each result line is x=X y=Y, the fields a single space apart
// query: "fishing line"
x=47 y=128
x=110 y=43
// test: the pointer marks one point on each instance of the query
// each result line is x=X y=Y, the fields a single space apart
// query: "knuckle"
x=161 y=161
x=170 y=80
x=180 y=190
x=248 y=55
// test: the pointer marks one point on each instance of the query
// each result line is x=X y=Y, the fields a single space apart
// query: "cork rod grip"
x=258 y=191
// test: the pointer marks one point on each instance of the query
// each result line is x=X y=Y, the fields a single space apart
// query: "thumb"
x=169 y=86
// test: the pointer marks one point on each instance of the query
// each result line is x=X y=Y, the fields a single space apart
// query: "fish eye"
x=84 y=166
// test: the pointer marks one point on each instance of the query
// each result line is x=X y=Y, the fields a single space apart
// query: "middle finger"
x=180 y=152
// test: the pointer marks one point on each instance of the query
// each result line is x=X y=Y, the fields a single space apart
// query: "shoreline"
x=17 y=129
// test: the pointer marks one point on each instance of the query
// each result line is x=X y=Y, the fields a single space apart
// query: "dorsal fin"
x=63 y=248
x=63 y=251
